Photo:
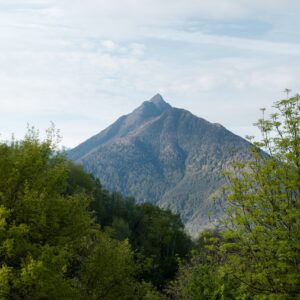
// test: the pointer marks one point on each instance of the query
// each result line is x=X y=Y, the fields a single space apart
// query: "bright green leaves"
x=108 y=274
x=265 y=209
x=43 y=277
x=4 y=213
x=5 y=278
x=41 y=230
x=50 y=245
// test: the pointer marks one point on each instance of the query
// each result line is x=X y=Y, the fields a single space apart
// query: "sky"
x=83 y=63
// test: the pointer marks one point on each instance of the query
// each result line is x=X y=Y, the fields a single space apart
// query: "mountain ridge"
x=164 y=155
x=153 y=107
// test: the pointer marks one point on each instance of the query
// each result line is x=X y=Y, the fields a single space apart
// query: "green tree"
x=50 y=245
x=160 y=237
x=263 y=224
x=156 y=235
x=40 y=229
x=199 y=277
x=256 y=255
x=107 y=274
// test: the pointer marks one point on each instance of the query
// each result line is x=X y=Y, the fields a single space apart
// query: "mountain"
x=164 y=155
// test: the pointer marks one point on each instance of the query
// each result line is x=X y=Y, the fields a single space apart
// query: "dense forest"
x=63 y=236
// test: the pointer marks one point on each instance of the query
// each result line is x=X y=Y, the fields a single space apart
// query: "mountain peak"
x=164 y=155
x=159 y=102
x=157 y=98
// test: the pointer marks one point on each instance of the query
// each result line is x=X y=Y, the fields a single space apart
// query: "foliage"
x=50 y=244
x=200 y=277
x=40 y=229
x=156 y=235
x=257 y=253
x=159 y=236
x=107 y=274
x=264 y=213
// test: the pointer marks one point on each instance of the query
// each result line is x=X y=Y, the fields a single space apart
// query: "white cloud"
x=256 y=45
x=84 y=63
x=137 y=49
x=172 y=9
x=109 y=45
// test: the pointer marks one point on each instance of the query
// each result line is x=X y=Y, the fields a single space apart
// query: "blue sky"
x=82 y=64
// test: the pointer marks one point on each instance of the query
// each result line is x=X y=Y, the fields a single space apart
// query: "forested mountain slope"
x=164 y=155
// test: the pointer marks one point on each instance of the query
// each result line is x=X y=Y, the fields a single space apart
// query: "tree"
x=263 y=222
x=256 y=254
x=40 y=229
x=50 y=244
x=156 y=235
x=107 y=274
x=159 y=236
x=199 y=277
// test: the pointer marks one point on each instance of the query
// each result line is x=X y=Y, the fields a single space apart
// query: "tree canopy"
x=62 y=236
x=157 y=236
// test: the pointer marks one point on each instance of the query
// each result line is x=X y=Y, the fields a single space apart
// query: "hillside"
x=164 y=155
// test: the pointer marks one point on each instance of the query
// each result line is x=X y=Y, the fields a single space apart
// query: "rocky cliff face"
x=164 y=155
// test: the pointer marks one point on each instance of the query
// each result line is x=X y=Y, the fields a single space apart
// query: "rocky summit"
x=164 y=155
